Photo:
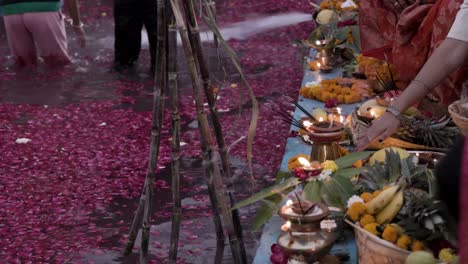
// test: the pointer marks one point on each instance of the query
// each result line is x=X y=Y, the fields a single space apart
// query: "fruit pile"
x=344 y=90
x=396 y=202
x=376 y=213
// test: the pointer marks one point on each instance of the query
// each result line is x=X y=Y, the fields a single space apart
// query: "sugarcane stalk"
x=195 y=41
x=211 y=21
x=177 y=207
x=136 y=223
x=158 y=114
x=213 y=10
x=211 y=167
x=156 y=128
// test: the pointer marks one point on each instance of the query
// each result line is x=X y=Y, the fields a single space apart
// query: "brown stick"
x=158 y=114
x=158 y=109
x=195 y=41
x=210 y=164
x=177 y=207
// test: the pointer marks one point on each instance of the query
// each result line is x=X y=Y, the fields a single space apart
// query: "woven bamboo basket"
x=374 y=250
x=359 y=127
x=460 y=115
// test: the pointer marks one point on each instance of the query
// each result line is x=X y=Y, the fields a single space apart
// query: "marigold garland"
x=344 y=90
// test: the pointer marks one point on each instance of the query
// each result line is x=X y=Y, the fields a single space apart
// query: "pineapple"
x=422 y=217
x=420 y=130
x=393 y=170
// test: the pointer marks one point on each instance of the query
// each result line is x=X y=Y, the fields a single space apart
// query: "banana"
x=384 y=198
x=391 y=210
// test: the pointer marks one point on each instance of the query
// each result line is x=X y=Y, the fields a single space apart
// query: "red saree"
x=408 y=40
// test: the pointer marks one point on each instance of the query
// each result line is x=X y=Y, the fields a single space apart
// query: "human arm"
x=450 y=55
x=74 y=13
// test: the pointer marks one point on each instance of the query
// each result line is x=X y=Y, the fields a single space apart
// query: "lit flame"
x=320 y=119
x=289 y=203
x=317 y=42
x=304 y=162
x=307 y=123
x=435 y=161
x=286 y=226
x=338 y=109
x=318 y=64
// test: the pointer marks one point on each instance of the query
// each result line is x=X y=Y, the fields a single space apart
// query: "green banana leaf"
x=348 y=160
x=349 y=173
x=275 y=189
x=312 y=191
x=337 y=192
x=282 y=175
x=269 y=207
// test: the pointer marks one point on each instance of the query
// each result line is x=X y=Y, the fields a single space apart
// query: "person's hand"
x=79 y=31
x=397 y=5
x=381 y=128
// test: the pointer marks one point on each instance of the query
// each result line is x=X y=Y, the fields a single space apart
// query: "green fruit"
x=420 y=257
x=327 y=16
x=380 y=155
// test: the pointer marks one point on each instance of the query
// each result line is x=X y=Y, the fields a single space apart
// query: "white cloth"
x=459 y=28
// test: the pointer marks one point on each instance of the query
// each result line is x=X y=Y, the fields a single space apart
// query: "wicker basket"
x=460 y=115
x=359 y=127
x=374 y=250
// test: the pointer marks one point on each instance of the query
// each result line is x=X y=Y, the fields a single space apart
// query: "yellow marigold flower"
x=446 y=255
x=404 y=242
x=417 y=246
x=390 y=233
x=366 y=196
x=376 y=193
x=372 y=228
x=367 y=219
x=330 y=165
x=356 y=210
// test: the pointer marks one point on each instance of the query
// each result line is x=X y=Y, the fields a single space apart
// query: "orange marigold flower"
x=367 y=219
x=355 y=211
x=390 y=233
x=404 y=242
x=366 y=196
x=417 y=246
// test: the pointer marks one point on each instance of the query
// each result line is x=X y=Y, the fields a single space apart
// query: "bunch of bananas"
x=386 y=205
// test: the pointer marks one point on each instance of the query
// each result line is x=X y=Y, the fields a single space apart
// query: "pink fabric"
x=41 y=33
x=463 y=225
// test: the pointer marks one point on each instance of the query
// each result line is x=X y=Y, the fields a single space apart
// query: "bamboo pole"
x=177 y=207
x=209 y=160
x=195 y=41
x=158 y=105
x=144 y=204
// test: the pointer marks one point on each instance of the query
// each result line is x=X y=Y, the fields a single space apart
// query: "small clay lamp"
x=302 y=207
x=311 y=169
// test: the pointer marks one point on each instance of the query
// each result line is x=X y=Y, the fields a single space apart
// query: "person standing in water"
x=37 y=28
